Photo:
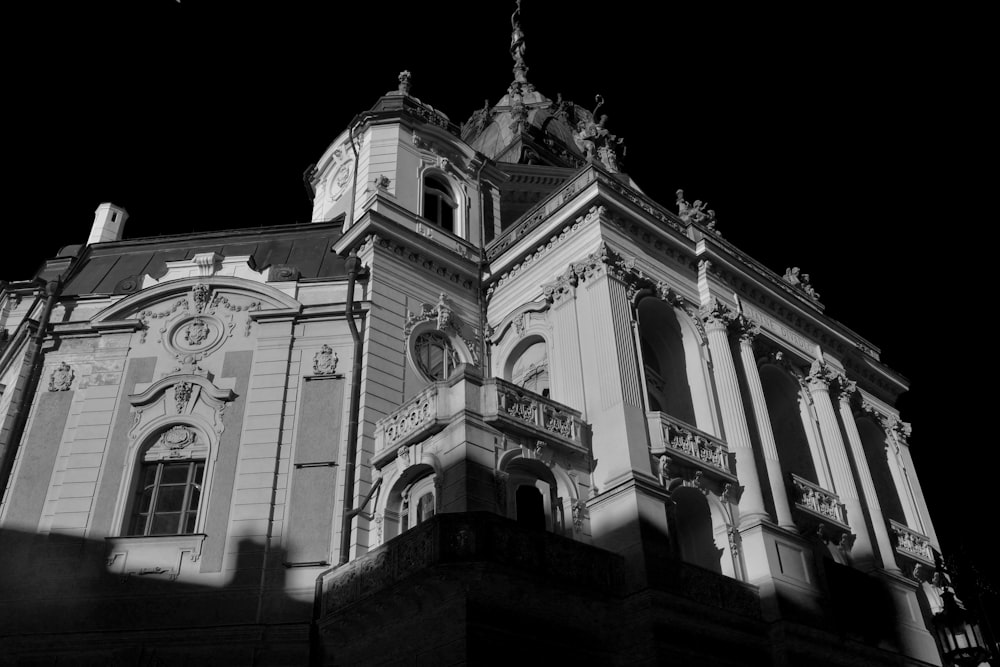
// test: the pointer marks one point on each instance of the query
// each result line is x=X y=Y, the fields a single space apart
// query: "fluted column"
x=845 y=389
x=783 y=512
x=819 y=379
x=734 y=420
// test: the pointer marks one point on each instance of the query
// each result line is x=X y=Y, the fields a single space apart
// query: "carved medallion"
x=62 y=378
x=177 y=437
x=325 y=361
x=196 y=332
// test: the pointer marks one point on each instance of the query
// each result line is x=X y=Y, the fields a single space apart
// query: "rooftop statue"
x=696 y=212
x=794 y=277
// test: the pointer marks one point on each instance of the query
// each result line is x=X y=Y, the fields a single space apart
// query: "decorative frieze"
x=426 y=263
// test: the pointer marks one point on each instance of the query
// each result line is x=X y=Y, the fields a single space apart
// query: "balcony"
x=514 y=409
x=504 y=405
x=689 y=446
x=912 y=544
x=819 y=505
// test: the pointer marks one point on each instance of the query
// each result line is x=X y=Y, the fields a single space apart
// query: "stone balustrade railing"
x=671 y=436
x=414 y=420
x=532 y=414
x=912 y=544
x=819 y=501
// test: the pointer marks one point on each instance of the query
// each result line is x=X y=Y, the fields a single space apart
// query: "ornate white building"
x=499 y=405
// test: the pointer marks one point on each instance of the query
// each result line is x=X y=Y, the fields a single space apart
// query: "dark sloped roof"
x=118 y=267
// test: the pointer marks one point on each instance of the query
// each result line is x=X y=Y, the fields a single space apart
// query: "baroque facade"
x=497 y=404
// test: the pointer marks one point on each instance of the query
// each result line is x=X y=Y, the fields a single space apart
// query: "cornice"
x=456 y=262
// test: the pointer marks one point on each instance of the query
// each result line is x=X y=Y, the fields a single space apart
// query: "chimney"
x=109 y=222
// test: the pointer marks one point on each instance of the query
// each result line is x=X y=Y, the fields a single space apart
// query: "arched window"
x=439 y=203
x=533 y=495
x=530 y=506
x=693 y=530
x=785 y=407
x=531 y=368
x=669 y=366
x=169 y=483
x=434 y=355
x=418 y=503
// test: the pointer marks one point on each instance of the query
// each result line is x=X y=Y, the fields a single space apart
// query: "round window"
x=434 y=355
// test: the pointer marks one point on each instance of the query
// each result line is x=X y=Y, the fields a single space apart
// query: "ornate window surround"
x=459 y=221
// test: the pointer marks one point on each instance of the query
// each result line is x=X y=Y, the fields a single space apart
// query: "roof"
x=117 y=267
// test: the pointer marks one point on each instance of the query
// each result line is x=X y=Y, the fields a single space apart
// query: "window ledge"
x=152 y=555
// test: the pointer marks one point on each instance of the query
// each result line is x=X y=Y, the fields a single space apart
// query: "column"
x=846 y=389
x=747 y=332
x=819 y=379
x=716 y=319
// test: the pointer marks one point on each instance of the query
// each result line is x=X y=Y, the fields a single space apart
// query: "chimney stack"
x=109 y=222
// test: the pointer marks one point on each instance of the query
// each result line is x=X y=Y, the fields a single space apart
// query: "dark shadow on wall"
x=60 y=605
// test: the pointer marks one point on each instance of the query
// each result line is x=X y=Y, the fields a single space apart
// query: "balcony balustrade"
x=505 y=405
x=819 y=503
x=912 y=544
x=686 y=444
x=508 y=406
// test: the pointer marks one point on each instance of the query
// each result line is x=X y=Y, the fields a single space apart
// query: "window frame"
x=194 y=480
x=438 y=187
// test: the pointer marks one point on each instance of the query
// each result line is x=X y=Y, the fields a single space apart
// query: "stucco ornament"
x=325 y=361
x=177 y=437
x=182 y=394
x=61 y=378
x=196 y=332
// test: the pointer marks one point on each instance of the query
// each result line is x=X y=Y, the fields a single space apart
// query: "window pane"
x=189 y=522
x=193 y=500
x=165 y=524
x=447 y=216
x=138 y=525
x=174 y=473
x=142 y=504
x=170 y=499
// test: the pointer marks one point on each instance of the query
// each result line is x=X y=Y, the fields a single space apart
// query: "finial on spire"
x=404 y=82
x=517 y=49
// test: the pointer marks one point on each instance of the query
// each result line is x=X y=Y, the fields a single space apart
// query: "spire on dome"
x=517 y=48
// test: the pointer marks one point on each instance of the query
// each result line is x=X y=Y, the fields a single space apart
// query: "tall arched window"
x=667 y=367
x=439 y=203
x=784 y=401
x=530 y=368
x=418 y=503
x=169 y=482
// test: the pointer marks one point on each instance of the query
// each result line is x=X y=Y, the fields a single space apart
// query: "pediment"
x=198 y=295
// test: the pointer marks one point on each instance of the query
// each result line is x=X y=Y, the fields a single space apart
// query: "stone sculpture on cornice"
x=794 y=277
x=696 y=212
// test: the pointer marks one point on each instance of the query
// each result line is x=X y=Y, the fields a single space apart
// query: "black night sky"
x=840 y=143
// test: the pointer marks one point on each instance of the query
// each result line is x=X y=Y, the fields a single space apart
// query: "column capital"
x=845 y=389
x=745 y=329
x=563 y=287
x=716 y=315
x=820 y=376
